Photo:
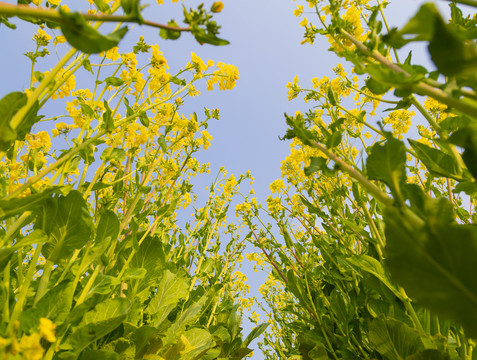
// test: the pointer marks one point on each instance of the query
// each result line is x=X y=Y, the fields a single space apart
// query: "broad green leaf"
x=467 y=138
x=377 y=87
x=393 y=339
x=204 y=37
x=147 y=339
x=116 y=154
x=469 y=187
x=318 y=353
x=70 y=227
x=452 y=54
x=134 y=273
x=169 y=34
x=114 y=81
x=9 y=106
x=388 y=163
x=101 y=5
x=171 y=289
x=421 y=25
x=188 y=315
x=255 y=333
x=103 y=284
x=151 y=257
x=429 y=354
x=436 y=161
x=85 y=38
x=434 y=261
x=334 y=140
x=372 y=266
x=98 y=355
x=317 y=164
x=100 y=321
x=108 y=226
x=35 y=237
x=199 y=341
x=54 y=305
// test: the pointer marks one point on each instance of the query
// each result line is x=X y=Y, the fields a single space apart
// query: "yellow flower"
x=276 y=186
x=47 y=329
x=54 y=2
x=42 y=38
x=298 y=11
x=30 y=347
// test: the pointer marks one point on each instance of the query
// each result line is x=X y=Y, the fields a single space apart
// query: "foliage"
x=377 y=245
x=97 y=258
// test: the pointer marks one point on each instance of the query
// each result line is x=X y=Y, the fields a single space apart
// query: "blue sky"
x=265 y=46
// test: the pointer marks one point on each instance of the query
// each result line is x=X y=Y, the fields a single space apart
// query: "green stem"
x=9 y=10
x=18 y=117
x=15 y=227
x=89 y=285
x=466 y=2
x=24 y=287
x=372 y=189
x=421 y=87
x=45 y=278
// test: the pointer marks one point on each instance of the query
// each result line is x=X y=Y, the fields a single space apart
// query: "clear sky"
x=265 y=46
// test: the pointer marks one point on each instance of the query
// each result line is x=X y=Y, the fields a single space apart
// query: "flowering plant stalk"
x=98 y=260
x=377 y=245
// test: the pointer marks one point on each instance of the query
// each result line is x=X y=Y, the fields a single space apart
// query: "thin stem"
x=420 y=87
x=9 y=10
x=373 y=189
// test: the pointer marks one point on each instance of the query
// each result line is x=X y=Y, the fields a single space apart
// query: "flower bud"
x=217 y=7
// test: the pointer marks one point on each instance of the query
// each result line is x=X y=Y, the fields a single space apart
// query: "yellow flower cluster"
x=29 y=346
x=400 y=121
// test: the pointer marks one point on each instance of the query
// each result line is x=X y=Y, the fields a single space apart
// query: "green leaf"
x=204 y=37
x=377 y=87
x=35 y=237
x=134 y=273
x=18 y=206
x=393 y=339
x=98 y=355
x=143 y=118
x=334 y=140
x=172 y=288
x=469 y=187
x=108 y=227
x=85 y=38
x=9 y=106
x=103 y=284
x=317 y=164
x=151 y=257
x=436 y=161
x=169 y=34
x=372 y=266
x=429 y=354
x=102 y=6
x=116 y=154
x=114 y=81
x=451 y=54
x=108 y=121
x=388 y=163
x=189 y=315
x=255 y=333
x=467 y=138
x=54 y=305
x=69 y=227
x=104 y=318
x=434 y=260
